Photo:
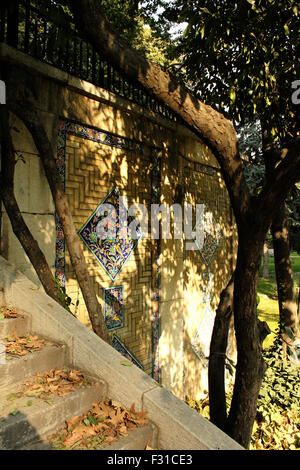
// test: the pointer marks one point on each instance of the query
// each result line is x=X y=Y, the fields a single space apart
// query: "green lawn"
x=295 y=260
x=267 y=290
x=268 y=312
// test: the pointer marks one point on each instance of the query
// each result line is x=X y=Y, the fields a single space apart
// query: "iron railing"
x=25 y=27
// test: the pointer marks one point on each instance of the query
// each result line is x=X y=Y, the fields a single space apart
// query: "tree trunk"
x=216 y=365
x=250 y=333
x=217 y=131
x=26 y=111
x=220 y=136
x=265 y=273
x=20 y=229
x=284 y=275
x=281 y=245
x=33 y=123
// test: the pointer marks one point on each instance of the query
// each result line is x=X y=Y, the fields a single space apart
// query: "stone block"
x=181 y=427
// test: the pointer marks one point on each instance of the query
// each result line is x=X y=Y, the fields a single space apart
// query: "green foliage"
x=293 y=207
x=277 y=424
x=241 y=56
x=281 y=384
x=62 y=296
x=201 y=406
x=152 y=47
x=123 y=17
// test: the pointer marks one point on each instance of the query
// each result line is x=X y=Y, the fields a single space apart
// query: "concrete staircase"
x=25 y=419
x=25 y=422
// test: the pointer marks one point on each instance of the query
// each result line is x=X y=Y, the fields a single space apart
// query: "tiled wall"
x=98 y=171
x=161 y=304
x=205 y=271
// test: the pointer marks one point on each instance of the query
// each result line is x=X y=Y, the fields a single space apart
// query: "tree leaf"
x=92 y=419
x=126 y=363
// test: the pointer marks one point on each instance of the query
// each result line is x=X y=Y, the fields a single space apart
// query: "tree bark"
x=216 y=365
x=280 y=235
x=220 y=136
x=250 y=333
x=265 y=273
x=210 y=125
x=20 y=229
x=284 y=275
x=33 y=123
x=22 y=105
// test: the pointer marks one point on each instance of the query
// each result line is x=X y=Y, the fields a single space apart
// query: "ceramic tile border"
x=67 y=127
x=118 y=321
x=118 y=344
x=155 y=199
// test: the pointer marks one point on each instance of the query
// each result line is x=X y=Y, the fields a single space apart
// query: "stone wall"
x=160 y=302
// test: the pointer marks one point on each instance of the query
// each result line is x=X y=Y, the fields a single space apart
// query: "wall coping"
x=12 y=55
x=179 y=426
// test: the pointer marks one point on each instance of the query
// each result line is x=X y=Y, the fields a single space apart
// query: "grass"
x=268 y=309
x=295 y=260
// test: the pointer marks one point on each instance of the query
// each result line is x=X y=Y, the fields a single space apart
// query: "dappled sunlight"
x=112 y=143
x=87 y=184
x=35 y=202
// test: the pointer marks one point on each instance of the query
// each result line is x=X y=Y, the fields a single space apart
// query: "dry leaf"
x=102 y=424
x=9 y=312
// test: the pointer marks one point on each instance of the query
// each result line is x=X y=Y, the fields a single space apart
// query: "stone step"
x=137 y=439
x=21 y=368
x=9 y=326
x=28 y=419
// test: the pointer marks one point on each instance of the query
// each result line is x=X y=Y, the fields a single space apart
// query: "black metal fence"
x=26 y=28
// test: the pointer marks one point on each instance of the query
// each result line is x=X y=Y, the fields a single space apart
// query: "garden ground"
x=267 y=291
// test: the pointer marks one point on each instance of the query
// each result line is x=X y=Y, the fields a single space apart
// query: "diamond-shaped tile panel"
x=114 y=307
x=103 y=234
x=210 y=235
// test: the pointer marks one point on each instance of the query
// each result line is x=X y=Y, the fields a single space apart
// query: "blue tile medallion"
x=104 y=234
x=113 y=299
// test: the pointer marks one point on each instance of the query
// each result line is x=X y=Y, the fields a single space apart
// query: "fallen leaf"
x=126 y=363
x=9 y=312
x=113 y=421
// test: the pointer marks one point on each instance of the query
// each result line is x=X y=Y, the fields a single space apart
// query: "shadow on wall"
x=35 y=203
x=92 y=169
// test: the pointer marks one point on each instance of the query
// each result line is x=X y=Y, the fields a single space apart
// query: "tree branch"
x=279 y=182
x=210 y=125
x=216 y=365
x=21 y=103
x=19 y=226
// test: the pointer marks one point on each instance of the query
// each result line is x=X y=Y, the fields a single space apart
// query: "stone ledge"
x=14 y=56
x=179 y=427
